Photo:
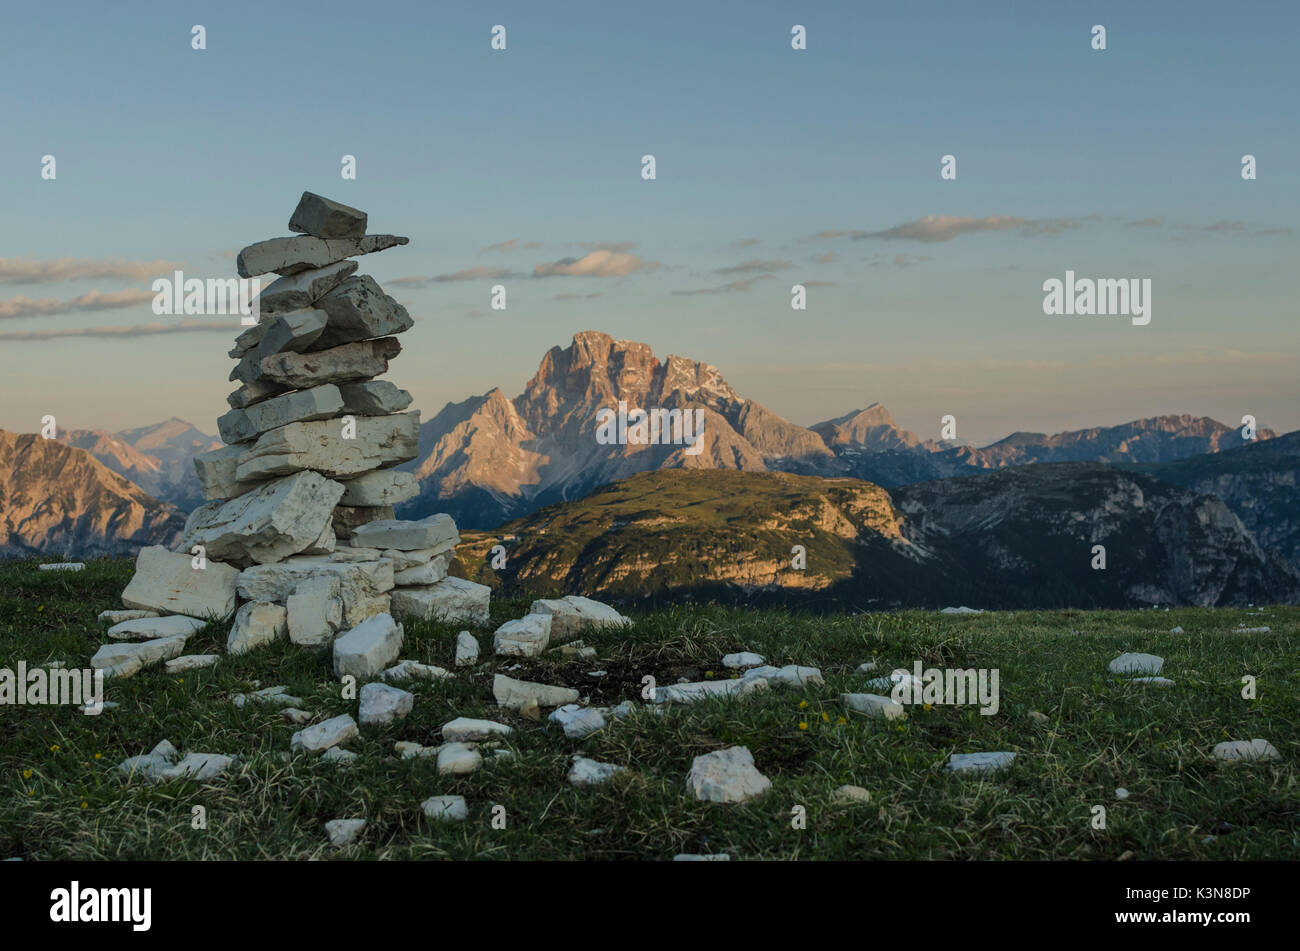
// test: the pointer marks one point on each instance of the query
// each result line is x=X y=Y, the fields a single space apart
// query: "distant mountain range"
x=1197 y=515
x=491 y=458
x=60 y=500
x=1016 y=538
x=158 y=458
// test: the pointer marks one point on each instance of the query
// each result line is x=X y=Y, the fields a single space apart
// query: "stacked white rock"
x=297 y=537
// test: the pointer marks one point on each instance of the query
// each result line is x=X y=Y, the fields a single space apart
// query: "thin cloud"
x=753 y=267
x=745 y=243
x=616 y=246
x=475 y=274
x=826 y=258
x=1147 y=223
x=124 y=332
x=733 y=287
x=946 y=227
x=1225 y=226
x=514 y=244
x=31 y=271
x=599 y=263
x=567 y=296
x=92 y=301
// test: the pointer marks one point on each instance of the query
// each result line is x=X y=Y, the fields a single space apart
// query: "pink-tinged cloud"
x=30 y=271
x=476 y=274
x=602 y=263
x=92 y=301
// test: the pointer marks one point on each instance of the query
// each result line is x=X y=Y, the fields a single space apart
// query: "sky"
x=774 y=167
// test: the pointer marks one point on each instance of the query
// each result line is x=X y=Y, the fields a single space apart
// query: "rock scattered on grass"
x=1136 y=664
x=343 y=832
x=979 y=762
x=726 y=776
x=446 y=808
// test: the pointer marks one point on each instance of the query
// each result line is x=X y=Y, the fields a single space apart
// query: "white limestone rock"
x=873 y=705
x=336 y=754
x=458 y=759
x=374 y=398
x=525 y=637
x=167 y=582
x=333 y=732
x=577 y=721
x=349 y=363
x=572 y=615
x=257 y=624
x=117 y=617
x=445 y=808
x=296 y=292
x=514 y=694
x=466 y=649
x=216 y=472
x=368 y=648
x=63 y=566
x=151 y=765
x=325 y=218
x=254 y=392
x=1136 y=664
x=315 y=610
x=979 y=762
x=277 y=519
x=726 y=776
x=701 y=857
x=179 y=665
x=293 y=255
x=707 y=689
x=344 y=832
x=431 y=572
x=465 y=730
x=589 y=772
x=382 y=704
x=319 y=445
x=851 y=794
x=243 y=425
x=453 y=599
x=295 y=716
x=413 y=670
x=743 y=659
x=359 y=309
x=146 y=653
x=792 y=675
x=200 y=767
x=380 y=487
x=148 y=629
x=407 y=535
x=362 y=585
x=403 y=560
x=1237 y=750
x=962 y=610
x=1152 y=681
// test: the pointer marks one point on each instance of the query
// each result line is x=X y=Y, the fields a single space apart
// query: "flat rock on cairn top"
x=325 y=218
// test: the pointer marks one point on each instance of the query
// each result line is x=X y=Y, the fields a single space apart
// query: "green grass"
x=1100 y=734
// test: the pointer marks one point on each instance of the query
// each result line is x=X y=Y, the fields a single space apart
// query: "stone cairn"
x=298 y=538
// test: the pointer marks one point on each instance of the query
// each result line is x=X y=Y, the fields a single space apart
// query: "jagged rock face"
x=158 y=458
x=1260 y=482
x=866 y=430
x=1033 y=528
x=871 y=452
x=1019 y=538
x=490 y=457
x=57 y=499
